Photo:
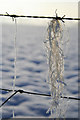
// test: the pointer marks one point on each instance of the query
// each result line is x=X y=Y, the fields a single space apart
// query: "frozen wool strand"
x=54 y=45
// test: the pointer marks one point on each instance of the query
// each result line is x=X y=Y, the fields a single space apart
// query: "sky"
x=39 y=7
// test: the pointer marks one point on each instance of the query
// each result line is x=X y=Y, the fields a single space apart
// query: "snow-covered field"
x=32 y=71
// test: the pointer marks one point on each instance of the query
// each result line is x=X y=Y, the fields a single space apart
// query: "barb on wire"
x=48 y=17
x=33 y=93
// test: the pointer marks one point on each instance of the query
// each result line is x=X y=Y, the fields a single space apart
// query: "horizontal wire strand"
x=33 y=93
x=57 y=18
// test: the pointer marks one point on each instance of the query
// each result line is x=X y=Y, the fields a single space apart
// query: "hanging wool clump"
x=54 y=45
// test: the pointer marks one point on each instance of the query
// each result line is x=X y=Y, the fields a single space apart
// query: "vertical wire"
x=15 y=51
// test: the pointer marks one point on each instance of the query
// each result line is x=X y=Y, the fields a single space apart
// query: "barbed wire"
x=43 y=17
x=23 y=91
x=31 y=93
